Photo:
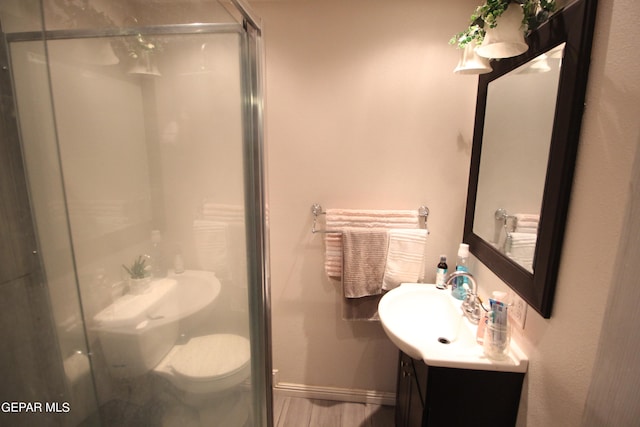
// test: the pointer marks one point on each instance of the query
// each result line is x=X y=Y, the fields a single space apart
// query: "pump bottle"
x=457 y=287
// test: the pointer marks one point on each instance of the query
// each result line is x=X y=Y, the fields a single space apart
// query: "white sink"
x=427 y=323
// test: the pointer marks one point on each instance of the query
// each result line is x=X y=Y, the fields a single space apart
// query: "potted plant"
x=486 y=17
x=139 y=275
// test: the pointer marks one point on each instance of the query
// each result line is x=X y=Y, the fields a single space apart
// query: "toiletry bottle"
x=441 y=272
x=457 y=287
x=158 y=266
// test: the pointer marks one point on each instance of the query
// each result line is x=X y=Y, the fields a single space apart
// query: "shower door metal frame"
x=257 y=226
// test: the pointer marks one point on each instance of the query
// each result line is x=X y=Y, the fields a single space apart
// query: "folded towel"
x=337 y=219
x=527 y=223
x=527 y=217
x=212 y=246
x=405 y=257
x=228 y=260
x=364 y=254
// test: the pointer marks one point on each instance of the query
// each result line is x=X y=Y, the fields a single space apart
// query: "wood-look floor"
x=301 y=412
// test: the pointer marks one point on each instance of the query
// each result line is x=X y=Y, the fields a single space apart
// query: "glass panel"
x=48 y=204
x=151 y=153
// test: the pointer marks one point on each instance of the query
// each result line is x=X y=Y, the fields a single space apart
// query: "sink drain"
x=442 y=340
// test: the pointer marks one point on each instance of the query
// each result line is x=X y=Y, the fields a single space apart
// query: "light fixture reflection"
x=94 y=51
x=539 y=65
x=471 y=63
x=145 y=65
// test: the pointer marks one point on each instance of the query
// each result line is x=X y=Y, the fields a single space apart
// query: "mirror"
x=528 y=117
x=513 y=162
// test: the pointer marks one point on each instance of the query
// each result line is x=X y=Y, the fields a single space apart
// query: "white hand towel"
x=404 y=258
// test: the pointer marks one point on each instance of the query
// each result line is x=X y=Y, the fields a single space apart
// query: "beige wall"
x=562 y=349
x=363 y=111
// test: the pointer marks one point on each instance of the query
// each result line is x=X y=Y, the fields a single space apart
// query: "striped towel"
x=521 y=247
x=220 y=241
x=212 y=246
x=338 y=219
x=365 y=253
x=405 y=257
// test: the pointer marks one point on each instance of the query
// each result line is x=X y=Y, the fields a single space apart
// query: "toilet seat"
x=208 y=364
x=210 y=357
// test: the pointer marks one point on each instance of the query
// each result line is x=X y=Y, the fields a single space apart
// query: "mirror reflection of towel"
x=521 y=247
x=212 y=246
x=527 y=223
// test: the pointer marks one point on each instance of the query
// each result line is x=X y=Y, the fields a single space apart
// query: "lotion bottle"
x=441 y=272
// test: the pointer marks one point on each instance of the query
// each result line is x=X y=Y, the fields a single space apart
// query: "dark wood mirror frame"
x=574 y=25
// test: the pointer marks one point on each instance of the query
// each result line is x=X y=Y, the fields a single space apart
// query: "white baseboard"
x=335 y=393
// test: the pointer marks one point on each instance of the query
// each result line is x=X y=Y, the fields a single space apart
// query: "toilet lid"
x=210 y=356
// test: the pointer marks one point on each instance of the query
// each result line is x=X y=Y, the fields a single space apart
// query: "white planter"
x=471 y=63
x=139 y=286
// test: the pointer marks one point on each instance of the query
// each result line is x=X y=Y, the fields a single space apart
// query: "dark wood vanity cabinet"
x=429 y=396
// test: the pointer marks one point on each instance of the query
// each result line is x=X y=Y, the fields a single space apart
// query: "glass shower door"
x=146 y=187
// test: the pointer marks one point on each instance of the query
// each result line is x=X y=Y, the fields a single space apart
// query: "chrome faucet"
x=471 y=304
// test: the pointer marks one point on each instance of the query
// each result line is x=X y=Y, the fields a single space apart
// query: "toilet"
x=207 y=373
x=206 y=366
x=142 y=334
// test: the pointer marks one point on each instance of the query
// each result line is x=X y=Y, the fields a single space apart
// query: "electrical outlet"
x=518 y=310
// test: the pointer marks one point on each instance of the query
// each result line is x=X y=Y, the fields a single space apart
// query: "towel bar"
x=316 y=210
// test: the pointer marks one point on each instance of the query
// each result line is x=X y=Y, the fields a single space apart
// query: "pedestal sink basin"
x=427 y=323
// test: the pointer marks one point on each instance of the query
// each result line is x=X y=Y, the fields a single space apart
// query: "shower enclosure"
x=139 y=129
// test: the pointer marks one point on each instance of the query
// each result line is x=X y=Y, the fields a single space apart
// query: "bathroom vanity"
x=444 y=377
x=433 y=396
